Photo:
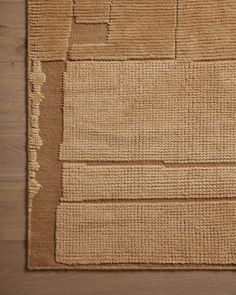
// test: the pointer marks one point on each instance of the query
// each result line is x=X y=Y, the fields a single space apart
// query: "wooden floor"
x=14 y=278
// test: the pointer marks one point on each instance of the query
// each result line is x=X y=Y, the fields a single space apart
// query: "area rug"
x=131 y=134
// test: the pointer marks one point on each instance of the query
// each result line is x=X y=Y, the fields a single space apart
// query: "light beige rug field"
x=132 y=134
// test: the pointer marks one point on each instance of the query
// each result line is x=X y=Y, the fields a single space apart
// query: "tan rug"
x=132 y=134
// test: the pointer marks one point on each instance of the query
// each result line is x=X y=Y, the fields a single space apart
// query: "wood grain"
x=12 y=31
x=14 y=278
x=17 y=281
x=12 y=209
x=12 y=151
x=12 y=83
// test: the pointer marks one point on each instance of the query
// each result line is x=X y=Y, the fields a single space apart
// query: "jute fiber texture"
x=131 y=134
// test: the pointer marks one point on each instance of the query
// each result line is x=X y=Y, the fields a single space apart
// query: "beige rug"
x=132 y=134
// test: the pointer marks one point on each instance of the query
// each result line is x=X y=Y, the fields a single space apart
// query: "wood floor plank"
x=12 y=95
x=14 y=279
x=12 y=31
x=13 y=128
x=12 y=152
x=12 y=210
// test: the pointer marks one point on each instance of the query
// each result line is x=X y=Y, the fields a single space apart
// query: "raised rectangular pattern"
x=158 y=233
x=149 y=110
x=83 y=182
x=206 y=29
x=49 y=29
x=92 y=11
x=137 y=29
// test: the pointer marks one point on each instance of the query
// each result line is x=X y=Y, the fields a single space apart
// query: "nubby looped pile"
x=131 y=134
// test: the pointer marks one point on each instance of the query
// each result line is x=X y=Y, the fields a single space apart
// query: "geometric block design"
x=162 y=233
x=137 y=29
x=83 y=182
x=92 y=11
x=206 y=29
x=169 y=111
x=49 y=29
x=132 y=142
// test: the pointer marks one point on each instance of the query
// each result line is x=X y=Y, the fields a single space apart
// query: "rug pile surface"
x=131 y=134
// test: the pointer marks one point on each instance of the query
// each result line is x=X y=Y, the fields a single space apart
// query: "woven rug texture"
x=131 y=134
